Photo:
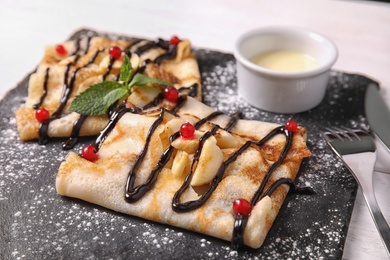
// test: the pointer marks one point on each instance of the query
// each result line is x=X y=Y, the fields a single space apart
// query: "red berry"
x=89 y=153
x=42 y=115
x=60 y=49
x=115 y=52
x=242 y=207
x=292 y=126
x=174 y=40
x=187 y=131
x=171 y=94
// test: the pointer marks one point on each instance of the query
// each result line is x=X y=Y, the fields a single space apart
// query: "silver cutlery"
x=357 y=150
x=377 y=114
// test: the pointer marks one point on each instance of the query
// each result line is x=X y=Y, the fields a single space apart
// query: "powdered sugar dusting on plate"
x=37 y=223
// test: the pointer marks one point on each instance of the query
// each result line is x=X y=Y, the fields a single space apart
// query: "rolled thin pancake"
x=105 y=181
x=60 y=78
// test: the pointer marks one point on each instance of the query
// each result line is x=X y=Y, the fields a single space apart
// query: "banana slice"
x=258 y=218
x=210 y=160
x=141 y=96
x=226 y=140
x=190 y=146
x=180 y=163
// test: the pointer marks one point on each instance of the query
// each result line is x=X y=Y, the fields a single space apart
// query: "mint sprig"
x=97 y=99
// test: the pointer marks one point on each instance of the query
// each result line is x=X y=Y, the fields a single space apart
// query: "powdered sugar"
x=37 y=223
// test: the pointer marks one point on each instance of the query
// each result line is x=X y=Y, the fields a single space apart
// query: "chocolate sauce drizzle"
x=109 y=67
x=44 y=127
x=171 y=54
x=159 y=43
x=134 y=193
x=71 y=142
x=44 y=94
x=116 y=115
x=74 y=136
x=293 y=187
x=69 y=82
x=240 y=220
x=191 y=205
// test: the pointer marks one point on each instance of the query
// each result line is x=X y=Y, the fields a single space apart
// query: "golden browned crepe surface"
x=87 y=61
x=103 y=182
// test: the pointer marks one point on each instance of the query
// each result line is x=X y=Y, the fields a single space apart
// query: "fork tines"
x=345 y=132
x=346 y=140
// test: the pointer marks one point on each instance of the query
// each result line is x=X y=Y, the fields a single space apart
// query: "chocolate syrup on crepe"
x=134 y=193
x=69 y=82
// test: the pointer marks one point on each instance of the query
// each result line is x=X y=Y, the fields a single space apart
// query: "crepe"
x=60 y=77
x=144 y=166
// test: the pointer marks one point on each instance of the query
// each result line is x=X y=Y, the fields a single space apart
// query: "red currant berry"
x=174 y=40
x=292 y=126
x=187 y=131
x=89 y=153
x=171 y=94
x=60 y=49
x=115 y=52
x=242 y=207
x=42 y=115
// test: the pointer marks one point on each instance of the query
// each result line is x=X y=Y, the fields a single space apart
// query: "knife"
x=378 y=116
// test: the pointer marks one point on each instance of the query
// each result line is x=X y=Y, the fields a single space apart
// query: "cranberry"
x=89 y=153
x=242 y=207
x=292 y=126
x=115 y=52
x=174 y=40
x=187 y=131
x=60 y=49
x=42 y=115
x=171 y=94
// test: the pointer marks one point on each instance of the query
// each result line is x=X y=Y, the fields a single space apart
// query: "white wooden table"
x=360 y=29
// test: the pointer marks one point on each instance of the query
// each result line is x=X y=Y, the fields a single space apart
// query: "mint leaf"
x=113 y=96
x=98 y=98
x=142 y=80
x=126 y=70
x=93 y=101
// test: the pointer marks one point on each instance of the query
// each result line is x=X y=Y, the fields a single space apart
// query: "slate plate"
x=37 y=223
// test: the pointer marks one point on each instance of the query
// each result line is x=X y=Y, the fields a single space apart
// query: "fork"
x=357 y=150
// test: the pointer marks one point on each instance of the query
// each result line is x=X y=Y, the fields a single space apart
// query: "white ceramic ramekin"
x=278 y=91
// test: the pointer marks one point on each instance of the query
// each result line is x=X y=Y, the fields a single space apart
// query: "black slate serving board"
x=37 y=223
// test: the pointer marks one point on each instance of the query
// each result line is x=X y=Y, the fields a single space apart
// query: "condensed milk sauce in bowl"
x=284 y=69
x=284 y=60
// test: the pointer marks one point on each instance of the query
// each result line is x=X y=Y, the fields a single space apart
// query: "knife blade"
x=378 y=116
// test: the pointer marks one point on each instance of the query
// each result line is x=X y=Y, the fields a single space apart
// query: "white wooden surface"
x=360 y=29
